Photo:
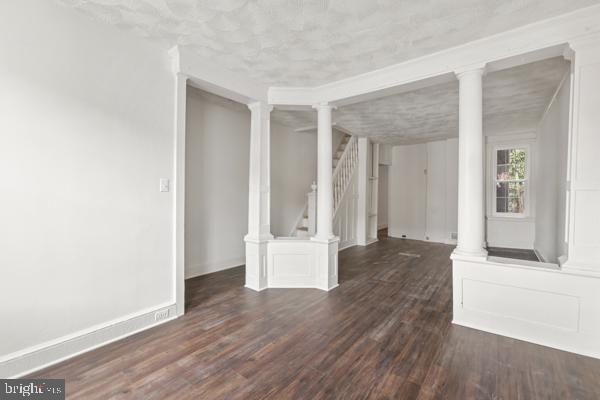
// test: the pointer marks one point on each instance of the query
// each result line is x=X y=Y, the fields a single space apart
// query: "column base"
x=256 y=264
x=326 y=261
x=476 y=254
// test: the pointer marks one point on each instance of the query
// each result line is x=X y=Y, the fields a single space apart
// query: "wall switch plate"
x=164 y=185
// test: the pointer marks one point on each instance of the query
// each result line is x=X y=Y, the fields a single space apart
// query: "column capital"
x=324 y=106
x=585 y=41
x=260 y=106
x=470 y=69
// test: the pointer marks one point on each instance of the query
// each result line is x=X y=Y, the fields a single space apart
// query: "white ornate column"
x=326 y=259
x=471 y=233
x=324 y=172
x=583 y=188
x=259 y=203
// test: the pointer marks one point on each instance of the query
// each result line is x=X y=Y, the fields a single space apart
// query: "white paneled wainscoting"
x=535 y=302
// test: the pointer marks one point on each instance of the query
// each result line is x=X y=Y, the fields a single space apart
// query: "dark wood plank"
x=384 y=333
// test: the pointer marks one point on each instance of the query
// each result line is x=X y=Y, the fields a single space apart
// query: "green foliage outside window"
x=510 y=180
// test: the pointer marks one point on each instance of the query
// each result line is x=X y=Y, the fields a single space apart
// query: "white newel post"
x=327 y=250
x=583 y=189
x=259 y=207
x=471 y=234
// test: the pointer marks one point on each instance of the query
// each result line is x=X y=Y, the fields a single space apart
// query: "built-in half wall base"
x=293 y=263
x=535 y=302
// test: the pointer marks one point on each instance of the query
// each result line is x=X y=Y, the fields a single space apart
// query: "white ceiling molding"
x=210 y=78
x=519 y=46
x=514 y=99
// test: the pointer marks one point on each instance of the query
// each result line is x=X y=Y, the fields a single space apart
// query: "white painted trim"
x=180 y=104
x=205 y=75
x=371 y=241
x=43 y=355
x=562 y=310
x=538 y=254
x=210 y=267
x=350 y=243
x=573 y=348
x=512 y=136
x=543 y=39
x=566 y=76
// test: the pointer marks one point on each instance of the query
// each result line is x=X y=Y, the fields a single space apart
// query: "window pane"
x=502 y=172
x=501 y=204
x=516 y=164
x=502 y=157
x=502 y=189
x=516 y=189
x=515 y=205
x=516 y=195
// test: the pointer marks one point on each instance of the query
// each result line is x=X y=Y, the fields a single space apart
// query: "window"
x=511 y=181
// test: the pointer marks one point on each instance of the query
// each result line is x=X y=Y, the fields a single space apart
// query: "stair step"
x=302 y=232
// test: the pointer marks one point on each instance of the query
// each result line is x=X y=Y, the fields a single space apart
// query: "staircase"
x=345 y=159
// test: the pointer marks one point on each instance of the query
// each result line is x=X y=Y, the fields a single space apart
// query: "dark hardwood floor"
x=384 y=333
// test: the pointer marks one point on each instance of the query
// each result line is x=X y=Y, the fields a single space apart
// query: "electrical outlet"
x=162 y=314
x=454 y=235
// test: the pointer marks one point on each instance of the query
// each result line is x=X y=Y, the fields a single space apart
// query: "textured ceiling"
x=514 y=100
x=311 y=42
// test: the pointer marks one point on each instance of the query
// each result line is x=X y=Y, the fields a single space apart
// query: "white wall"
x=435 y=221
x=86 y=122
x=551 y=177
x=382 y=198
x=407 y=192
x=423 y=205
x=451 y=190
x=217 y=159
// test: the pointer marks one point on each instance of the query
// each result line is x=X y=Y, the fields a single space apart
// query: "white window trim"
x=492 y=180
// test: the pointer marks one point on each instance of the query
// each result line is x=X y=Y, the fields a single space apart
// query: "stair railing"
x=343 y=171
x=312 y=210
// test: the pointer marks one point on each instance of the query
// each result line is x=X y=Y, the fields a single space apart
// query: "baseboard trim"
x=371 y=241
x=525 y=338
x=347 y=245
x=45 y=355
x=539 y=255
x=193 y=271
